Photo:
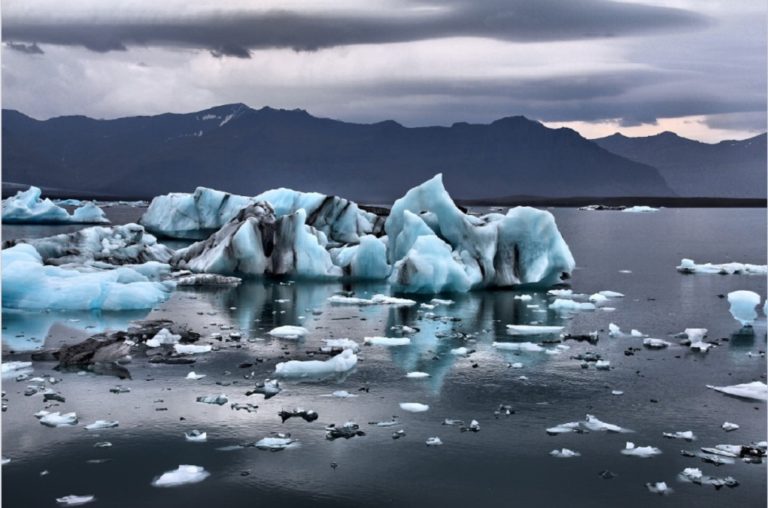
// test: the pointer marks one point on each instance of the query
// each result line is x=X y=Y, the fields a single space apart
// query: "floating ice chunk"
x=603 y=365
x=5 y=461
x=563 y=305
x=434 y=441
x=686 y=435
x=344 y=361
x=387 y=341
x=276 y=443
x=613 y=330
x=342 y=344
x=518 y=346
x=289 y=332
x=375 y=300
x=417 y=375
x=660 y=488
x=196 y=436
x=342 y=394
x=640 y=209
x=755 y=390
x=414 y=407
x=695 y=334
x=73 y=500
x=640 y=451
x=219 y=400
x=694 y=475
x=563 y=293
x=438 y=301
x=610 y=294
x=594 y=424
x=460 y=351
x=617 y=392
x=728 y=426
x=564 y=453
x=102 y=424
x=58 y=419
x=191 y=349
x=597 y=298
x=688 y=266
x=635 y=333
x=182 y=475
x=652 y=343
x=27 y=207
x=743 y=305
x=533 y=329
x=564 y=428
x=193 y=376
x=164 y=336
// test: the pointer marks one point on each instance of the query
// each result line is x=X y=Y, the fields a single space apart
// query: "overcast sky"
x=697 y=67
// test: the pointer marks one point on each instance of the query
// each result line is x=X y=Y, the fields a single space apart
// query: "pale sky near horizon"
x=695 y=67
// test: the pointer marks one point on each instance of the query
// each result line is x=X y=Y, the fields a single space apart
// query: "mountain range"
x=244 y=150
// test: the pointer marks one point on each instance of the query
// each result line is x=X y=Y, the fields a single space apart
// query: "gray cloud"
x=29 y=49
x=228 y=33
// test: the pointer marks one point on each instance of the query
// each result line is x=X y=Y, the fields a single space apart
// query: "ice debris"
x=74 y=500
x=660 y=488
x=756 y=390
x=102 y=424
x=182 y=475
x=344 y=361
x=729 y=427
x=347 y=430
x=195 y=436
x=57 y=419
x=743 y=305
x=387 y=341
x=289 y=332
x=640 y=451
x=218 y=400
x=689 y=266
x=378 y=299
x=652 y=343
x=434 y=441
x=414 y=407
x=533 y=329
x=564 y=453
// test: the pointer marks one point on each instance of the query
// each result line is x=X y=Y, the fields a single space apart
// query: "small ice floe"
x=686 y=435
x=276 y=443
x=434 y=441
x=219 y=400
x=598 y=299
x=603 y=365
x=269 y=388
x=194 y=377
x=417 y=375
x=195 y=436
x=427 y=306
x=57 y=419
x=640 y=209
x=689 y=266
x=533 y=329
x=460 y=351
x=563 y=293
x=237 y=406
x=398 y=434
x=594 y=424
x=375 y=300
x=660 y=488
x=5 y=461
x=636 y=333
x=528 y=347
x=438 y=301
x=516 y=365
x=102 y=424
x=564 y=453
x=163 y=337
x=414 y=407
x=563 y=305
x=331 y=344
x=119 y=389
x=652 y=343
x=617 y=392
x=344 y=361
x=191 y=349
x=347 y=430
x=523 y=298
x=341 y=394
x=453 y=421
x=307 y=415
x=564 y=428
x=614 y=330
x=610 y=294
x=756 y=390
x=73 y=500
x=474 y=426
x=743 y=305
x=694 y=475
x=386 y=423
x=182 y=475
x=640 y=451
x=387 y=341
x=289 y=332
x=729 y=427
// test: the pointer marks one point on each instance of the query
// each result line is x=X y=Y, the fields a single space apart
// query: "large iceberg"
x=29 y=284
x=27 y=207
x=430 y=245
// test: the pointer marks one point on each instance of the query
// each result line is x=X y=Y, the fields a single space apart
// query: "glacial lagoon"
x=513 y=395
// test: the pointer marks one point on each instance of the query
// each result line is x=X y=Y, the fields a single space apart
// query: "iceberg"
x=29 y=284
x=27 y=207
x=689 y=266
x=756 y=390
x=182 y=475
x=344 y=361
x=743 y=305
x=365 y=260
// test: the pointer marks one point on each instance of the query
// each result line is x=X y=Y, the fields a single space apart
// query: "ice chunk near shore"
x=640 y=451
x=756 y=390
x=164 y=336
x=344 y=361
x=28 y=284
x=375 y=300
x=289 y=332
x=533 y=329
x=58 y=419
x=74 y=500
x=689 y=266
x=182 y=475
x=743 y=305
x=414 y=407
x=27 y=207
x=564 y=453
x=387 y=341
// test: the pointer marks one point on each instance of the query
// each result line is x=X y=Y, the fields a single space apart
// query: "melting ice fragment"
x=331 y=344
x=640 y=451
x=755 y=390
x=533 y=329
x=164 y=336
x=564 y=305
x=564 y=453
x=375 y=300
x=289 y=332
x=729 y=427
x=417 y=375
x=195 y=436
x=218 y=400
x=688 y=266
x=193 y=376
x=652 y=343
x=743 y=305
x=564 y=428
x=344 y=361
x=660 y=488
x=387 y=341
x=182 y=475
x=73 y=500
x=414 y=407
x=529 y=347
x=58 y=420
x=434 y=441
x=277 y=443
x=594 y=424
x=686 y=435
x=191 y=349
x=640 y=209
x=102 y=424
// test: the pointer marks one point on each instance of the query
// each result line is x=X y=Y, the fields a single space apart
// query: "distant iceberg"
x=689 y=266
x=27 y=207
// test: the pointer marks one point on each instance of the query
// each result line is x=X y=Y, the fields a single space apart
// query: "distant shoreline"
x=9 y=189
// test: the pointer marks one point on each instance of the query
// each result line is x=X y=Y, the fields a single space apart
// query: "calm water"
x=506 y=463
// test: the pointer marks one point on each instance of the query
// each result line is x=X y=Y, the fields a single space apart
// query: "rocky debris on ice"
x=196 y=436
x=206 y=280
x=640 y=451
x=27 y=207
x=269 y=388
x=414 y=407
x=694 y=475
x=743 y=305
x=564 y=453
x=386 y=341
x=74 y=500
x=347 y=430
x=756 y=390
x=182 y=475
x=652 y=343
x=276 y=443
x=640 y=209
x=533 y=330
x=102 y=424
x=289 y=332
x=688 y=266
x=307 y=415
x=343 y=362
x=218 y=400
